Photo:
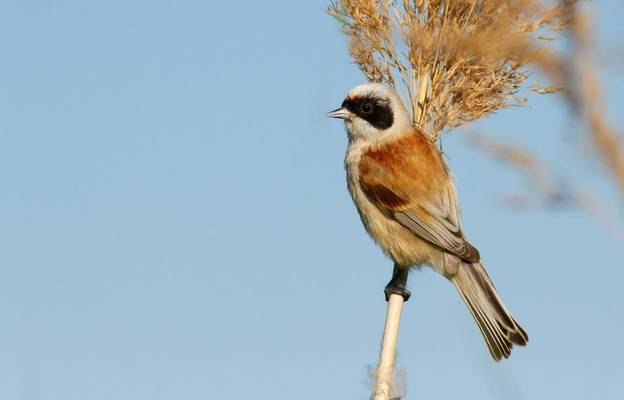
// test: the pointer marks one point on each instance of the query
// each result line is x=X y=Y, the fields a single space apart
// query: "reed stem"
x=385 y=376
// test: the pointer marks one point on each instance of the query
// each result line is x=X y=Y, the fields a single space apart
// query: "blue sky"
x=175 y=221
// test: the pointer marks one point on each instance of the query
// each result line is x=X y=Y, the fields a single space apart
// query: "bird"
x=406 y=199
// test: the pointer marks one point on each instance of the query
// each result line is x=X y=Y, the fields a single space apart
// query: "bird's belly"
x=399 y=243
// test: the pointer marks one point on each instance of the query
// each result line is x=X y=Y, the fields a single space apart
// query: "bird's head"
x=372 y=112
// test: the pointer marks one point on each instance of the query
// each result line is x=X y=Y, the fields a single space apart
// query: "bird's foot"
x=397 y=284
x=394 y=289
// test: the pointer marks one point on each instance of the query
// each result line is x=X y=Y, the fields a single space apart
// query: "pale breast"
x=400 y=244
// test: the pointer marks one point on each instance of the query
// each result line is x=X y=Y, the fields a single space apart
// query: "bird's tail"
x=499 y=329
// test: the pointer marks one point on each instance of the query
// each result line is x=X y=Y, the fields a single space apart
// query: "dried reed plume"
x=575 y=71
x=584 y=96
x=453 y=60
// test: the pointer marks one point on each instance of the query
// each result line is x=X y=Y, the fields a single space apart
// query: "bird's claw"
x=401 y=291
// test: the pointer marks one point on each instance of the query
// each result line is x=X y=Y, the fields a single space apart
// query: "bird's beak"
x=341 y=113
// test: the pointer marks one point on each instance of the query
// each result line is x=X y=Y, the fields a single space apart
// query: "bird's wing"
x=408 y=181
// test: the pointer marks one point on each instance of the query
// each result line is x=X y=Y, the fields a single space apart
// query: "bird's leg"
x=397 y=284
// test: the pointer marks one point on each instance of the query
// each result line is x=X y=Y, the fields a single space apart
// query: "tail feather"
x=499 y=329
x=497 y=347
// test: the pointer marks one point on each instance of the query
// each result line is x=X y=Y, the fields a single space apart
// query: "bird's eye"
x=367 y=108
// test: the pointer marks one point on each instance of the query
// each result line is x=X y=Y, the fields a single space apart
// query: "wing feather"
x=408 y=181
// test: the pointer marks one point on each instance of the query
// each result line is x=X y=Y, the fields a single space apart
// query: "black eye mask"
x=375 y=111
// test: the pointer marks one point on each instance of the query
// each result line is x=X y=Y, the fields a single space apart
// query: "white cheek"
x=360 y=129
